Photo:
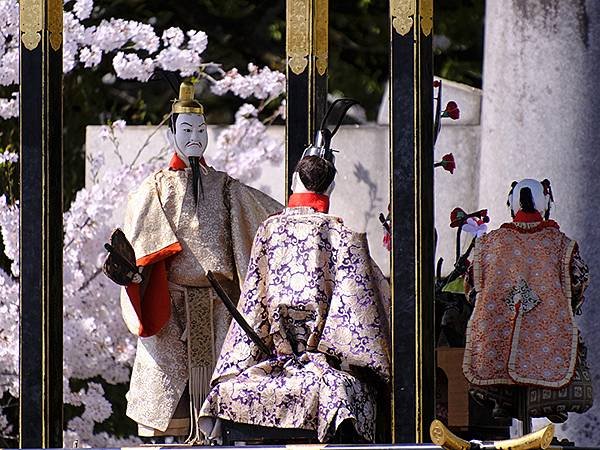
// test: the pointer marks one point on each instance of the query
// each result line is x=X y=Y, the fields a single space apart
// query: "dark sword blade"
x=237 y=316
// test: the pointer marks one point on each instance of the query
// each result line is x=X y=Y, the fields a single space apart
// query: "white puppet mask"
x=188 y=135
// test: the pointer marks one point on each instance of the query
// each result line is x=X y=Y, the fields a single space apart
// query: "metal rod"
x=458 y=234
x=523 y=403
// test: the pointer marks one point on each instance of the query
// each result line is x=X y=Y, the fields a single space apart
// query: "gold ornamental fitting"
x=538 y=440
x=442 y=436
x=186 y=103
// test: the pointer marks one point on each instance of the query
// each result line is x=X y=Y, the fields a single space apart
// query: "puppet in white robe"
x=180 y=321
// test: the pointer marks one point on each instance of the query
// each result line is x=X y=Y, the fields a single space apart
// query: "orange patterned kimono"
x=522 y=329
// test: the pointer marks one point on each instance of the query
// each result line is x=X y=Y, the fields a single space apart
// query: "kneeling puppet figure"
x=320 y=303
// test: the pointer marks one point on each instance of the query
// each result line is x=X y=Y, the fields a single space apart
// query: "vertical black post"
x=307 y=24
x=41 y=233
x=412 y=259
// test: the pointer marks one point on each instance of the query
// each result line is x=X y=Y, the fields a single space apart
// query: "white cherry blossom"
x=130 y=66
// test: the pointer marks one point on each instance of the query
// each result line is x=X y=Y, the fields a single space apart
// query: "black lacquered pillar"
x=41 y=418
x=307 y=23
x=412 y=257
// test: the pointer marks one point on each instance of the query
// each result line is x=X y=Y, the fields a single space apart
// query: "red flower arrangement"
x=387 y=229
x=458 y=217
x=452 y=111
x=447 y=163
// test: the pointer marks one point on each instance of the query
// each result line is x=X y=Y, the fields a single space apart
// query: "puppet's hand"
x=120 y=265
x=121 y=272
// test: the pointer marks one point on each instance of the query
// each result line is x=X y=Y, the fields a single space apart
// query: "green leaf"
x=455 y=287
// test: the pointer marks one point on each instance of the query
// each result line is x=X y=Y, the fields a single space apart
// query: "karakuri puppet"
x=321 y=305
x=183 y=221
x=529 y=281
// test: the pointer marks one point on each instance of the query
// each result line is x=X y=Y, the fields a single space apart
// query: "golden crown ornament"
x=186 y=103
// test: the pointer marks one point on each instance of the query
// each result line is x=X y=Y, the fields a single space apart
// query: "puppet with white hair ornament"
x=528 y=281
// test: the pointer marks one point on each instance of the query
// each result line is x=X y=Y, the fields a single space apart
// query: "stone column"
x=540 y=120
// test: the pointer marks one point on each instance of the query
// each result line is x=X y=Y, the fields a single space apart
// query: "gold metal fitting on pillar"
x=541 y=439
x=307 y=44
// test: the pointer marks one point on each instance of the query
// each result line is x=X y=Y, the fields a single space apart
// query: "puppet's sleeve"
x=357 y=328
x=580 y=279
x=249 y=207
x=239 y=352
x=153 y=238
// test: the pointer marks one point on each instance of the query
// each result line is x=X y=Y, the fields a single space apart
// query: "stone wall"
x=362 y=183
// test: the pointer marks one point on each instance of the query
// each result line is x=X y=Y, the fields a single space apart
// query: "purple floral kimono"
x=318 y=300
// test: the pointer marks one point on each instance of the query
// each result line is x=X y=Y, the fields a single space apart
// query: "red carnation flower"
x=457 y=217
x=447 y=163
x=387 y=240
x=451 y=111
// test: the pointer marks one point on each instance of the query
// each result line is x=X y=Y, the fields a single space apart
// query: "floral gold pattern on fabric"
x=426 y=13
x=402 y=12
x=55 y=23
x=31 y=21
x=298 y=34
x=160 y=370
x=200 y=331
x=162 y=211
x=321 y=41
x=315 y=296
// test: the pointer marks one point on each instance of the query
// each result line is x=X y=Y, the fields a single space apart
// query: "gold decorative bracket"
x=321 y=35
x=55 y=23
x=541 y=439
x=298 y=34
x=402 y=13
x=426 y=13
x=31 y=20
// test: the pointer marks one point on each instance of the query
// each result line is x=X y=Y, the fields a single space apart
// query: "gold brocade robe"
x=180 y=321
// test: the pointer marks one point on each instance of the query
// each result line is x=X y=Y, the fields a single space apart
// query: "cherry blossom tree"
x=97 y=345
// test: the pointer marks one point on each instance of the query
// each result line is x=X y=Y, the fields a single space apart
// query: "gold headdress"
x=186 y=103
